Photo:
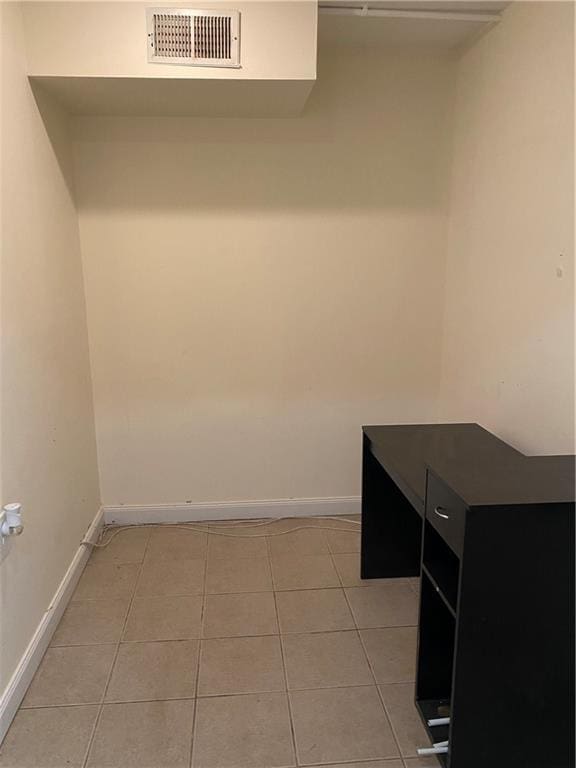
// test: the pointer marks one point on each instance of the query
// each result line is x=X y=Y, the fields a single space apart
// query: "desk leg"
x=391 y=527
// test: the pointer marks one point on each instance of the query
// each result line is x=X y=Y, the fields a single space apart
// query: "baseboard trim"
x=129 y=514
x=22 y=677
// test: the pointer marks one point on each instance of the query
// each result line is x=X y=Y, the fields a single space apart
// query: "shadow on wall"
x=57 y=125
x=369 y=138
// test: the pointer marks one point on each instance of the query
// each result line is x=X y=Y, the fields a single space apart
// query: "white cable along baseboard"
x=14 y=693
x=130 y=514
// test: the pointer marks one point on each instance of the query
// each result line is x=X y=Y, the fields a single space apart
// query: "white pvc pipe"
x=439 y=721
x=432 y=751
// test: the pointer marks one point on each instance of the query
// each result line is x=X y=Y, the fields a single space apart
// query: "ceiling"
x=450 y=25
x=460 y=6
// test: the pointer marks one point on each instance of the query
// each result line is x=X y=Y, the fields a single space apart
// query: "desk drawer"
x=446 y=512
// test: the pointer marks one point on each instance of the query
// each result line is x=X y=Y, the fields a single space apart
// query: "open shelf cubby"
x=441 y=566
x=437 y=633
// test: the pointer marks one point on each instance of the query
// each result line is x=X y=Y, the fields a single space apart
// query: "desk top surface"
x=482 y=469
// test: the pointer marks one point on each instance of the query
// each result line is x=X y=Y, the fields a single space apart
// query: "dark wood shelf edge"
x=438 y=589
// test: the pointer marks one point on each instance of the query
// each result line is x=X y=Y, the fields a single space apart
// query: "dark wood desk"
x=491 y=532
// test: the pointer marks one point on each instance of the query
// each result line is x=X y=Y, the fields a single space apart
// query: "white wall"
x=48 y=445
x=508 y=350
x=109 y=39
x=259 y=289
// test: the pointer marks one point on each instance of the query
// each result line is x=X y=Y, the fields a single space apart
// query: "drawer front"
x=446 y=512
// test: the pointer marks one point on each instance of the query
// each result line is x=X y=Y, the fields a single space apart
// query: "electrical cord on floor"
x=210 y=528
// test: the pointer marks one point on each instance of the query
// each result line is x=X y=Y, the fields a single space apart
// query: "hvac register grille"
x=197 y=38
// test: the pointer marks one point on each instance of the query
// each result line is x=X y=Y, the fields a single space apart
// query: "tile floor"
x=184 y=649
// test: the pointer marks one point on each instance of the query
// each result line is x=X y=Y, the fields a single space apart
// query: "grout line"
x=389 y=718
x=340 y=578
x=285 y=671
x=359 y=763
x=118 y=644
x=233 y=637
x=341 y=585
x=69 y=705
x=200 y=648
x=289 y=692
x=226 y=695
x=351 y=612
x=234 y=592
x=378 y=692
x=111 y=562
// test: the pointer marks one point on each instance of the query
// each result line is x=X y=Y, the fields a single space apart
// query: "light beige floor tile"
x=171 y=577
x=392 y=653
x=48 y=738
x=256 y=730
x=91 y=621
x=154 y=734
x=299 y=542
x=176 y=544
x=415 y=584
x=324 y=660
x=253 y=545
x=303 y=572
x=250 y=731
x=154 y=671
x=340 y=724
x=240 y=615
x=73 y=675
x=164 y=618
x=388 y=605
x=241 y=665
x=343 y=541
x=238 y=574
x=127 y=546
x=314 y=610
x=106 y=581
x=348 y=567
x=399 y=703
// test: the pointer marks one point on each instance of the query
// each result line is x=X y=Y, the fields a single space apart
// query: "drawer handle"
x=440 y=513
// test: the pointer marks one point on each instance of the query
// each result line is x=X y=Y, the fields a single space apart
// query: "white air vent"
x=196 y=38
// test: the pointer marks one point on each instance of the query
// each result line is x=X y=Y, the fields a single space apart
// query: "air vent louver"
x=194 y=37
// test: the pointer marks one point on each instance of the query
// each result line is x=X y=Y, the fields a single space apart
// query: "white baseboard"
x=14 y=693
x=129 y=514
